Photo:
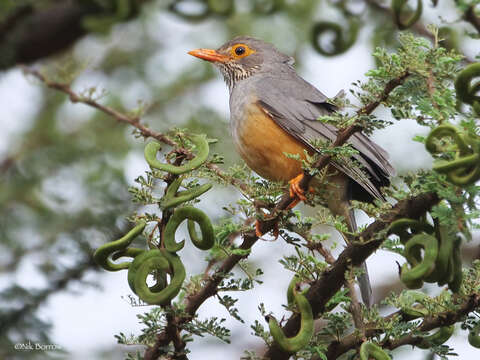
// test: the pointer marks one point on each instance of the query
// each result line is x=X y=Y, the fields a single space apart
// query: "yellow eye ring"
x=239 y=51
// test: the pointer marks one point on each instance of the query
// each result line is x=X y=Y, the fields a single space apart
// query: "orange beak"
x=209 y=55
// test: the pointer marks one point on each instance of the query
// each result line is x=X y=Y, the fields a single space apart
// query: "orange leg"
x=258 y=232
x=296 y=192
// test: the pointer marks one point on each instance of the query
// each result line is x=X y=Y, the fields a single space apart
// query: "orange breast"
x=262 y=144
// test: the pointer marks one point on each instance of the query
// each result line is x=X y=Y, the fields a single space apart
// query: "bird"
x=274 y=112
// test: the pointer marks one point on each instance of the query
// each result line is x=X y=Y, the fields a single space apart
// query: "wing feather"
x=296 y=109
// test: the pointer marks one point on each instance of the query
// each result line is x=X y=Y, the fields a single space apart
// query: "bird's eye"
x=240 y=50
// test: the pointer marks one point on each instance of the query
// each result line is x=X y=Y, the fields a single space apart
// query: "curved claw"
x=296 y=191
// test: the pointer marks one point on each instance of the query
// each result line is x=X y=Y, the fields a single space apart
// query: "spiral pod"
x=341 y=43
x=193 y=215
x=421 y=268
x=398 y=7
x=296 y=343
x=409 y=298
x=442 y=272
x=174 y=198
x=292 y=289
x=456 y=266
x=159 y=262
x=370 y=350
x=438 y=338
x=474 y=336
x=466 y=91
x=448 y=267
x=465 y=168
x=201 y=144
x=117 y=249
x=449 y=38
x=405 y=228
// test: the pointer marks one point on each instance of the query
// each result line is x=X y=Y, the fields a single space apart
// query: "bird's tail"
x=364 y=279
x=365 y=286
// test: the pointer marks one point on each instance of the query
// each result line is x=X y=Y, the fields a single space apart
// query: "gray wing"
x=295 y=105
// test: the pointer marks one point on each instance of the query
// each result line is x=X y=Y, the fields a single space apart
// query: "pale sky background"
x=85 y=319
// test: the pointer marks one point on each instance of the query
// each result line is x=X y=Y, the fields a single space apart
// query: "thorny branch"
x=331 y=281
x=249 y=238
x=134 y=121
x=337 y=348
x=354 y=254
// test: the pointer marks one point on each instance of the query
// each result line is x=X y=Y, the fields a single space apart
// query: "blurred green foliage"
x=63 y=188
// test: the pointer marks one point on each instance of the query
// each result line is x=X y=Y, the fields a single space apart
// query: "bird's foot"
x=296 y=191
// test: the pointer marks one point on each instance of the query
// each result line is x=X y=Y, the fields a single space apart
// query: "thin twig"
x=354 y=254
x=123 y=118
x=117 y=115
x=355 y=308
x=471 y=303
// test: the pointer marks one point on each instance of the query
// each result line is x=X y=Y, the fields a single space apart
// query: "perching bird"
x=274 y=111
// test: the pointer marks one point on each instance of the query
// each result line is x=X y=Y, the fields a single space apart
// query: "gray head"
x=244 y=56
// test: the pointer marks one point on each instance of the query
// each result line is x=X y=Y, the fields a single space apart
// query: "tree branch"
x=117 y=115
x=354 y=254
x=341 y=139
x=351 y=256
x=471 y=303
x=130 y=120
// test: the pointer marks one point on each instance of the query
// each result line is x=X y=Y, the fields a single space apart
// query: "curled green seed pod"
x=423 y=268
x=173 y=198
x=101 y=255
x=406 y=228
x=438 y=338
x=461 y=171
x=157 y=261
x=292 y=289
x=474 y=336
x=340 y=43
x=409 y=298
x=200 y=143
x=446 y=130
x=369 y=350
x=448 y=38
x=441 y=272
x=466 y=91
x=465 y=168
x=456 y=262
x=128 y=252
x=304 y=335
x=193 y=214
x=398 y=7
